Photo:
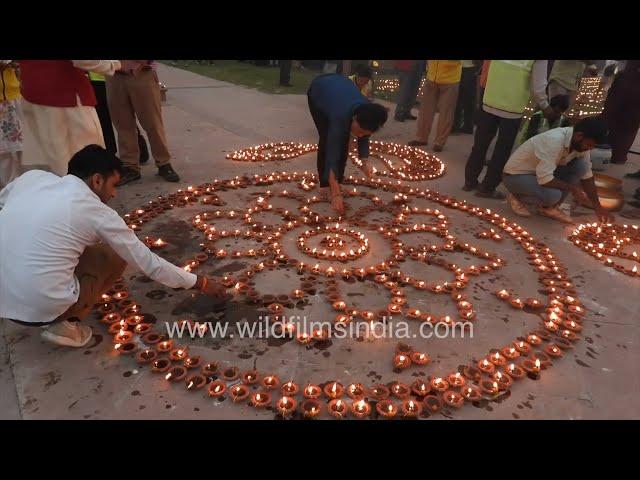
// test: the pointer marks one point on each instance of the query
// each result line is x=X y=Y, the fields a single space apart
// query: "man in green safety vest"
x=510 y=85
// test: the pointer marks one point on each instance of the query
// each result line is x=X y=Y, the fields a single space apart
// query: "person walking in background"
x=10 y=124
x=466 y=104
x=510 y=85
x=285 y=73
x=409 y=75
x=59 y=106
x=565 y=77
x=134 y=92
x=440 y=94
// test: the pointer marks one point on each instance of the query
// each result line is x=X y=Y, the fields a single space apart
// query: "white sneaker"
x=68 y=334
x=517 y=206
x=556 y=214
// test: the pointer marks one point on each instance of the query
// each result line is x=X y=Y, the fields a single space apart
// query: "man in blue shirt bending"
x=339 y=110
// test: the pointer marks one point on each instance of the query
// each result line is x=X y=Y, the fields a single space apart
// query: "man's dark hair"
x=94 y=159
x=371 y=116
x=364 y=71
x=560 y=101
x=593 y=127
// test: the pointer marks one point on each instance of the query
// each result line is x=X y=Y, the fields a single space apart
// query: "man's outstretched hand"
x=210 y=287
x=604 y=216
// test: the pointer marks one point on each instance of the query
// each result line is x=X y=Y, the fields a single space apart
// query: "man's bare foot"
x=337 y=203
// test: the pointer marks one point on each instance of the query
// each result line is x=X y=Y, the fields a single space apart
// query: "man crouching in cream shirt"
x=61 y=247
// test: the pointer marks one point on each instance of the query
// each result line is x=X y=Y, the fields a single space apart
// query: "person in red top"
x=59 y=106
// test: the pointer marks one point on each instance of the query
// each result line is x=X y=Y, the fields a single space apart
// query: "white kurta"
x=46 y=222
x=62 y=131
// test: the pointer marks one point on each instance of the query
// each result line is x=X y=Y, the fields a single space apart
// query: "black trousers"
x=466 y=105
x=488 y=125
x=285 y=71
x=322 y=125
x=102 y=110
x=408 y=90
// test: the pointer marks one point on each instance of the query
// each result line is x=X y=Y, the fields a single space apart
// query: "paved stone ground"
x=205 y=119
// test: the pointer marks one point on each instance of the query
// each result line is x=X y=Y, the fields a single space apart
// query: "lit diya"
x=310 y=408
x=160 y=365
x=164 y=346
x=312 y=392
x=337 y=408
x=386 y=409
x=453 y=399
x=261 y=399
x=400 y=390
x=195 y=382
x=250 y=377
x=486 y=366
x=553 y=350
x=515 y=371
x=504 y=381
x=497 y=359
x=192 y=362
x=420 y=388
x=126 y=348
x=490 y=387
x=289 y=388
x=439 y=384
x=411 y=409
x=239 y=393
x=270 y=382
x=146 y=356
x=401 y=361
x=217 y=388
x=456 y=380
x=209 y=369
x=176 y=374
x=111 y=318
x=333 y=390
x=379 y=392
x=356 y=391
x=420 y=358
x=531 y=367
x=471 y=394
x=286 y=405
x=178 y=353
x=360 y=409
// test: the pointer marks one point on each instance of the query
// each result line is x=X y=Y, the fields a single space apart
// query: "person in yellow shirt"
x=440 y=94
x=10 y=124
x=363 y=78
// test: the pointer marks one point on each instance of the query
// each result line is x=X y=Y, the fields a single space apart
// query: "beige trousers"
x=131 y=96
x=440 y=98
x=62 y=131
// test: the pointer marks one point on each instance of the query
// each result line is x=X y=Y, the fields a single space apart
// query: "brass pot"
x=610 y=199
x=607 y=182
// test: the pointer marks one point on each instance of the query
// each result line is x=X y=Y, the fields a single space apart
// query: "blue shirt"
x=337 y=97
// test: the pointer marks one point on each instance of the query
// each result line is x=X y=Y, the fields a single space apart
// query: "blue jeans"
x=527 y=189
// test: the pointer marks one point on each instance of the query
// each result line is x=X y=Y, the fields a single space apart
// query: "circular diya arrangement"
x=413 y=163
x=608 y=241
x=339 y=240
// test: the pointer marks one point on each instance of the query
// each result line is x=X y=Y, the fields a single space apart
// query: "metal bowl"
x=607 y=182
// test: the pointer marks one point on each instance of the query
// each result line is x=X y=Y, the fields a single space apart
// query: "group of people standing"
x=69 y=104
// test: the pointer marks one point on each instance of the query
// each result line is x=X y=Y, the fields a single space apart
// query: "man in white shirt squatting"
x=61 y=247
x=545 y=168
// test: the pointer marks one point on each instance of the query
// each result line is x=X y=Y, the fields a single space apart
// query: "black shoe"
x=494 y=195
x=633 y=175
x=286 y=85
x=437 y=148
x=399 y=119
x=469 y=188
x=128 y=175
x=144 y=150
x=168 y=173
x=410 y=116
x=417 y=143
